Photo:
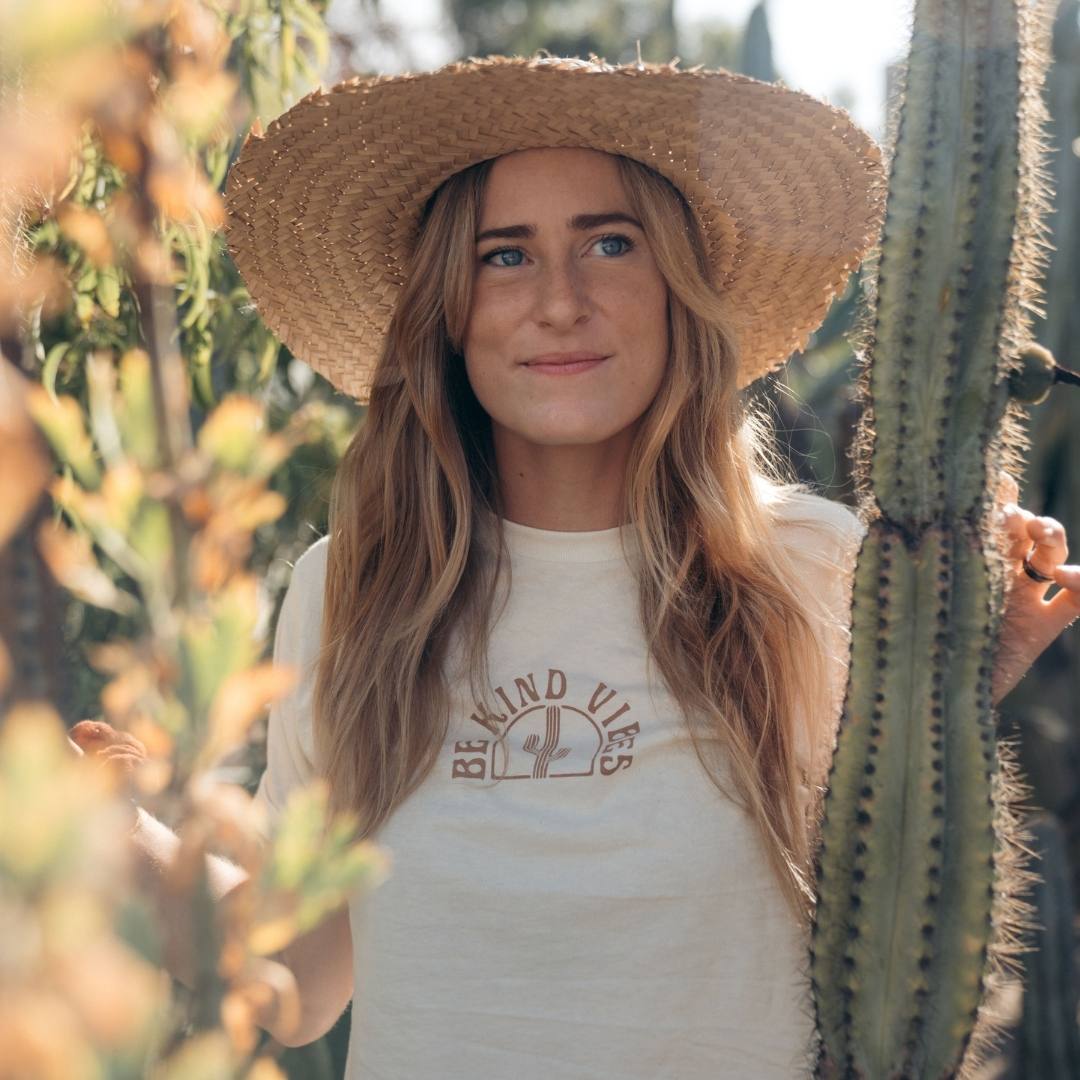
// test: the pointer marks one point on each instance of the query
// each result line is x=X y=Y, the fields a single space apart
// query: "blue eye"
x=615 y=244
x=517 y=255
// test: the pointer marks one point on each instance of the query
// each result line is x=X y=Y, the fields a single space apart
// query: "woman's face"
x=567 y=335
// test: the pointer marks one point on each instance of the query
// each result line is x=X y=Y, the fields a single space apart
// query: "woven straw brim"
x=322 y=210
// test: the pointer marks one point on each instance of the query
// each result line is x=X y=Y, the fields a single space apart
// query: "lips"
x=564 y=363
x=553 y=359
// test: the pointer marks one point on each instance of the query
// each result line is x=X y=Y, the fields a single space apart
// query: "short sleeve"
x=289 y=740
x=823 y=539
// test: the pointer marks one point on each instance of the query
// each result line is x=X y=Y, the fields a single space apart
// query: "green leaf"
x=52 y=365
x=151 y=537
x=84 y=308
x=135 y=417
x=87 y=280
x=267 y=359
x=217 y=644
x=62 y=420
x=108 y=291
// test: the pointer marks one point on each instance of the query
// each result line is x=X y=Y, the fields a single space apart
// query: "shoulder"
x=821 y=539
x=301 y=609
x=797 y=512
x=310 y=568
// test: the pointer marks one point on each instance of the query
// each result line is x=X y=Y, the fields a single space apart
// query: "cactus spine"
x=918 y=865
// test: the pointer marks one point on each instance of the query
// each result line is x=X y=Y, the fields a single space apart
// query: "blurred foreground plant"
x=187 y=685
x=118 y=120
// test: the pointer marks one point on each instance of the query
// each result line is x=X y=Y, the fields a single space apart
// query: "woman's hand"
x=1031 y=622
x=122 y=752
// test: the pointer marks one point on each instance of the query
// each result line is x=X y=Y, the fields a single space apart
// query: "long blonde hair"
x=725 y=631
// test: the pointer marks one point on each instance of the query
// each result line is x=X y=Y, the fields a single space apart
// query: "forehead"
x=561 y=181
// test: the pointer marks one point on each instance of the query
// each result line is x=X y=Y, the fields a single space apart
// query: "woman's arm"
x=316 y=967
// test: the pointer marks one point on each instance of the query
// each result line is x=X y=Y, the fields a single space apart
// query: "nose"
x=562 y=299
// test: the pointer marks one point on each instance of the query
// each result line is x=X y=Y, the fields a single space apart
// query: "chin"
x=569 y=438
x=563 y=430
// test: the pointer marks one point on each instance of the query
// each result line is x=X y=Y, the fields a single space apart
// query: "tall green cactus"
x=919 y=869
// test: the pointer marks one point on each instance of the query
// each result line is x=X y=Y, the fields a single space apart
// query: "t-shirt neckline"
x=550 y=545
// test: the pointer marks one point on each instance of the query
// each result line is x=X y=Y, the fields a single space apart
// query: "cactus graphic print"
x=569 y=894
x=545 y=735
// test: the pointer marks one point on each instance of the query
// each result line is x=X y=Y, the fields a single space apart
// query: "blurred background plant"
x=192 y=457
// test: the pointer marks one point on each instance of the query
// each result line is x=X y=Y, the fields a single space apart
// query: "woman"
x=574 y=650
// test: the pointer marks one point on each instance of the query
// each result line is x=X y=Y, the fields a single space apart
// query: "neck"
x=575 y=488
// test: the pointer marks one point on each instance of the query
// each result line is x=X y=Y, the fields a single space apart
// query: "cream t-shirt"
x=602 y=910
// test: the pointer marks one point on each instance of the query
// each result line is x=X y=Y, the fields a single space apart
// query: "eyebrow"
x=579 y=223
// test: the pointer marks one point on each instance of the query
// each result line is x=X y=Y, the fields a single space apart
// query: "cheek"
x=487 y=333
x=487 y=329
x=641 y=313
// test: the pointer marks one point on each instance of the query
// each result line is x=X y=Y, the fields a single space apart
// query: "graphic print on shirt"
x=547 y=732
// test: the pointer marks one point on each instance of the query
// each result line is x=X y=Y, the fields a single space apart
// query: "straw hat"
x=323 y=209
